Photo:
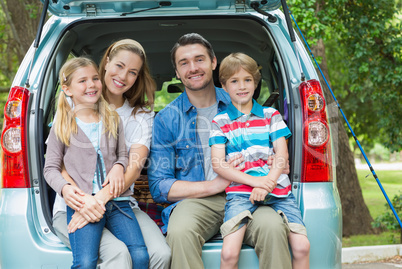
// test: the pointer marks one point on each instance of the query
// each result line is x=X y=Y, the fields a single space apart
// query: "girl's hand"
x=258 y=194
x=116 y=180
x=73 y=196
x=93 y=209
x=77 y=222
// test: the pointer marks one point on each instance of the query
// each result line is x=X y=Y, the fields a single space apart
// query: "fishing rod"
x=349 y=126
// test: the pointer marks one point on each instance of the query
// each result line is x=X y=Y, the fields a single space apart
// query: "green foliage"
x=384 y=238
x=3 y=99
x=364 y=51
x=33 y=10
x=8 y=59
x=387 y=220
x=374 y=197
x=162 y=97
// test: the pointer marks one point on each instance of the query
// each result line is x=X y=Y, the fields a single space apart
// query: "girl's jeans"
x=85 y=241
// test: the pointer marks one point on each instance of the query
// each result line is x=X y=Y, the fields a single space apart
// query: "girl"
x=128 y=86
x=88 y=138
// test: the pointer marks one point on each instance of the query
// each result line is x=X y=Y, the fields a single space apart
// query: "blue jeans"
x=239 y=202
x=85 y=241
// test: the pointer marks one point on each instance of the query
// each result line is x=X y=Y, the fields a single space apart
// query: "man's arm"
x=163 y=184
x=204 y=188
x=185 y=189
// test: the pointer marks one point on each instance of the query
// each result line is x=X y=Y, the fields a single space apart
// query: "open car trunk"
x=227 y=34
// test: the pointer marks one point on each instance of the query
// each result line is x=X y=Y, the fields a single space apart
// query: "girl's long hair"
x=64 y=122
x=141 y=94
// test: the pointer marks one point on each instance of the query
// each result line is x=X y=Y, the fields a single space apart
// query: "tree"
x=19 y=21
x=356 y=27
x=387 y=220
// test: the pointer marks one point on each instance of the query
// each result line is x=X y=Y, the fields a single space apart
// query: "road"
x=372 y=266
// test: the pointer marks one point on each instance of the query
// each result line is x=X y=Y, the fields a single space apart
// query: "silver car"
x=257 y=28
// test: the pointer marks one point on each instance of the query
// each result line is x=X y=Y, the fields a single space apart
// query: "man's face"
x=194 y=67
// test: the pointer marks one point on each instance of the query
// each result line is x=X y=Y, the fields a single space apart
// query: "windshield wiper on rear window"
x=161 y=4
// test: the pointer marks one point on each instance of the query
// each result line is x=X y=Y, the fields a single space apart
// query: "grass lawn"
x=373 y=197
x=375 y=201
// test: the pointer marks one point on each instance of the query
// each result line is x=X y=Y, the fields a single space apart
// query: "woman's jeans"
x=85 y=241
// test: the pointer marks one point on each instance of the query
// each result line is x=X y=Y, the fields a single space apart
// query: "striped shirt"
x=253 y=136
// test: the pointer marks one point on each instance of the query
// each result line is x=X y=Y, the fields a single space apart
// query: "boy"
x=256 y=132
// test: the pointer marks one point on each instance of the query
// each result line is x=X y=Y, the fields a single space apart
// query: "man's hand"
x=93 y=209
x=116 y=180
x=77 y=222
x=286 y=169
x=258 y=194
x=73 y=196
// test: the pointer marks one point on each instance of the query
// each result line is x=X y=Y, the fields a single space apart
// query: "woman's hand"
x=73 y=196
x=116 y=180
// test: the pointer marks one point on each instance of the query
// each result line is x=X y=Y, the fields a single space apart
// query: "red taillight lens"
x=13 y=140
x=317 y=159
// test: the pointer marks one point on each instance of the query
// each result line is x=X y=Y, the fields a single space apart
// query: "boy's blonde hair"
x=234 y=62
x=141 y=94
x=64 y=122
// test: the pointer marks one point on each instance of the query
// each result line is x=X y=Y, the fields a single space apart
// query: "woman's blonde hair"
x=64 y=122
x=141 y=94
x=234 y=62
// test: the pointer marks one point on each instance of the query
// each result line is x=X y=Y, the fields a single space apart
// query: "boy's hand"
x=265 y=183
x=77 y=222
x=116 y=180
x=286 y=169
x=73 y=196
x=258 y=194
x=93 y=209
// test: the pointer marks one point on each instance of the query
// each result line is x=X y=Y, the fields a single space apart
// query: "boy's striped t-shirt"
x=253 y=136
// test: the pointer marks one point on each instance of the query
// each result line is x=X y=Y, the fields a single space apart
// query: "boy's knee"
x=301 y=248
x=229 y=256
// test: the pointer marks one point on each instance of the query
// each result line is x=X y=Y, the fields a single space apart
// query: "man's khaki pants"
x=194 y=221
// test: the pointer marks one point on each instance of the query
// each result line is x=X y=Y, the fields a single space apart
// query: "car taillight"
x=317 y=159
x=13 y=140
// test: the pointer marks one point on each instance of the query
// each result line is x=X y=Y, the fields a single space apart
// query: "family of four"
x=215 y=156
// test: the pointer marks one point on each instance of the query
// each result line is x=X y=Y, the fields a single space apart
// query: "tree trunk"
x=355 y=214
x=23 y=17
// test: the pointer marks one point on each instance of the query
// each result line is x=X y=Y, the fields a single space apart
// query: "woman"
x=127 y=85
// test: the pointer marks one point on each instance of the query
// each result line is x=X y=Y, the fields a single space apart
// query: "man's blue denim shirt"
x=176 y=152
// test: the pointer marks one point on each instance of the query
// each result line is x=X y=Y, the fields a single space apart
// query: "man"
x=181 y=170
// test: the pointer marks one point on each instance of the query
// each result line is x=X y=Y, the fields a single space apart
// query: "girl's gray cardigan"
x=80 y=159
